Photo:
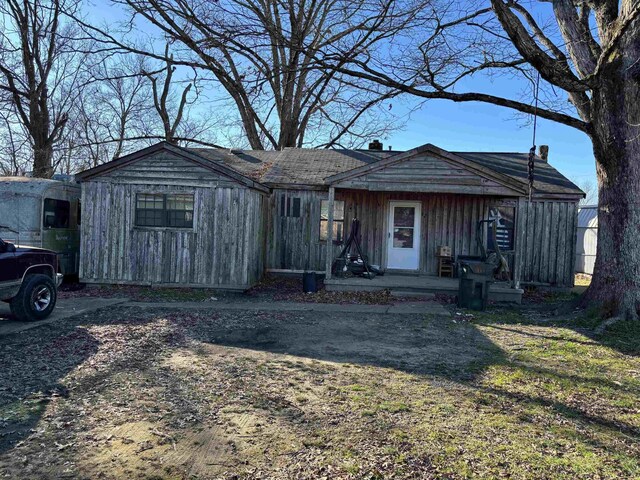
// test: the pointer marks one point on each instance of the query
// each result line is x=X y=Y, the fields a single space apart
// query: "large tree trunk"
x=616 y=139
x=42 y=161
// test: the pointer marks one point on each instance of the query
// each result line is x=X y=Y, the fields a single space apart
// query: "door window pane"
x=403 y=237
x=404 y=216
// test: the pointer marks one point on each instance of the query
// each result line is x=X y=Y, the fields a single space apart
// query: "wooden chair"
x=445 y=266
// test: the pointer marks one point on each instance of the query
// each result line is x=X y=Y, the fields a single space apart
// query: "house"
x=221 y=218
x=587 y=239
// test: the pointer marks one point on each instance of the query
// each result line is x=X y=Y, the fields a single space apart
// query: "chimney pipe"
x=544 y=152
x=375 y=145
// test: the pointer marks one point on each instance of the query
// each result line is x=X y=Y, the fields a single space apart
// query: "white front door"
x=403 y=239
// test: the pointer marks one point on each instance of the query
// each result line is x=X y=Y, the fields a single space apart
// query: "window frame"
x=290 y=207
x=57 y=201
x=336 y=221
x=165 y=214
x=511 y=231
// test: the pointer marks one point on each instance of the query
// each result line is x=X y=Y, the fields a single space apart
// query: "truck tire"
x=36 y=298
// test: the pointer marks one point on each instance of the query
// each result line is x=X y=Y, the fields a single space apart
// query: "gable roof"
x=186 y=154
x=428 y=148
x=302 y=167
x=316 y=167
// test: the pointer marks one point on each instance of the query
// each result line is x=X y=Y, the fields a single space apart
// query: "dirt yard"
x=135 y=394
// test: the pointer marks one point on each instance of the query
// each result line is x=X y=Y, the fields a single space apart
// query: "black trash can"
x=473 y=287
x=309 y=282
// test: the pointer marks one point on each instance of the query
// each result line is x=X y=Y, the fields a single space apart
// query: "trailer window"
x=56 y=213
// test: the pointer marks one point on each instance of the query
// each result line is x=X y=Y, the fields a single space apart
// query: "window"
x=505 y=228
x=56 y=213
x=160 y=210
x=338 y=221
x=289 y=206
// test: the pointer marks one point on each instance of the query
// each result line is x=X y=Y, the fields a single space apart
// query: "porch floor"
x=400 y=284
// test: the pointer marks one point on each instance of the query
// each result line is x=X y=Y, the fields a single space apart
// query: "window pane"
x=338 y=209
x=404 y=216
x=180 y=202
x=56 y=213
x=338 y=231
x=505 y=223
x=403 y=237
x=338 y=220
x=296 y=207
x=150 y=201
x=150 y=210
x=180 y=211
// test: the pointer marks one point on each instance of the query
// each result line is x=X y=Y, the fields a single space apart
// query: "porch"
x=418 y=285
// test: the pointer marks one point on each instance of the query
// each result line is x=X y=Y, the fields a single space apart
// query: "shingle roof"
x=546 y=178
x=298 y=166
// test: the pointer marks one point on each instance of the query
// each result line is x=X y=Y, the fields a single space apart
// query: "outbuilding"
x=166 y=215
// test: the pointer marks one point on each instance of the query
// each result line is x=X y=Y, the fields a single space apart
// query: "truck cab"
x=29 y=280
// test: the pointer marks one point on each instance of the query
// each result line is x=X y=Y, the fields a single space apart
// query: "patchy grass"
x=498 y=394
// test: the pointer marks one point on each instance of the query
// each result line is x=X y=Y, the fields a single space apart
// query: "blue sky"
x=481 y=127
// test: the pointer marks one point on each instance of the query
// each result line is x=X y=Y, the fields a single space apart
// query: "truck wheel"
x=36 y=298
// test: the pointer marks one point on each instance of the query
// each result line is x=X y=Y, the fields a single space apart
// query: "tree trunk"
x=616 y=139
x=42 y=158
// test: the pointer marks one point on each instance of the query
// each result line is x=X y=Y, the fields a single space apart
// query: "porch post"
x=520 y=228
x=329 y=259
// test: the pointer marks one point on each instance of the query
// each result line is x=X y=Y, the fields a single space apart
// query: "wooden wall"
x=294 y=242
x=224 y=249
x=548 y=230
x=546 y=234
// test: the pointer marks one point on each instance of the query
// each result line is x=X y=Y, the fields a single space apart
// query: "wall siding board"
x=220 y=251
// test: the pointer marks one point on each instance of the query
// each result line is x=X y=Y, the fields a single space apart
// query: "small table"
x=445 y=266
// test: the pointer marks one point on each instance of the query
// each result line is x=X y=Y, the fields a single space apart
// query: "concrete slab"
x=416 y=284
x=65 y=308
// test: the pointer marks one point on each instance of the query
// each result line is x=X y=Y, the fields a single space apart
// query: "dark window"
x=338 y=221
x=289 y=206
x=56 y=213
x=160 y=210
x=79 y=214
x=180 y=211
x=505 y=228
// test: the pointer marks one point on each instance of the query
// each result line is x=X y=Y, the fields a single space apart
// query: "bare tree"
x=40 y=70
x=590 y=190
x=263 y=54
x=590 y=51
x=160 y=96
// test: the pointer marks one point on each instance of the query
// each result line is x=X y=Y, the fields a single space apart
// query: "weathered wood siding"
x=426 y=173
x=225 y=248
x=547 y=236
x=166 y=168
x=294 y=242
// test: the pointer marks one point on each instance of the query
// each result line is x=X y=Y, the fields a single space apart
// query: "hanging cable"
x=532 y=152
